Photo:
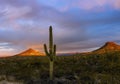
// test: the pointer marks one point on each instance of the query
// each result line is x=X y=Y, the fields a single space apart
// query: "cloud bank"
x=78 y=25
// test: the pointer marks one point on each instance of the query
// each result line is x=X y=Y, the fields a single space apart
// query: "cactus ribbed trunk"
x=51 y=70
x=50 y=40
x=51 y=52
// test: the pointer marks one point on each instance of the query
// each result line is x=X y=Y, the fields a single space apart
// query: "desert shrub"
x=90 y=69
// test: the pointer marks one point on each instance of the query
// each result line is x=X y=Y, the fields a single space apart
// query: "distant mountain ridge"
x=30 y=52
x=108 y=47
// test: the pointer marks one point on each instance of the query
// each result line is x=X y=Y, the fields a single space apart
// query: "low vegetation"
x=76 y=69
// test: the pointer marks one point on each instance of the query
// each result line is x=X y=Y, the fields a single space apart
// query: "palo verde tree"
x=51 y=52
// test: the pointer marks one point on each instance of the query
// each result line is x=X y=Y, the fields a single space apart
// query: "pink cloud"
x=90 y=5
x=101 y=3
x=11 y=12
x=116 y=4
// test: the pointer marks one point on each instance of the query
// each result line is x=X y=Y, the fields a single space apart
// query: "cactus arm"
x=54 y=50
x=45 y=49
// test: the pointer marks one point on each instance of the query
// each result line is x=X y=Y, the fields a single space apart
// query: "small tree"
x=51 y=52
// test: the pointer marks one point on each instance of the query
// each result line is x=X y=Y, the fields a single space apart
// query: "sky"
x=78 y=25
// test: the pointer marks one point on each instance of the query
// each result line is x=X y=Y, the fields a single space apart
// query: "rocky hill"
x=108 y=47
x=30 y=52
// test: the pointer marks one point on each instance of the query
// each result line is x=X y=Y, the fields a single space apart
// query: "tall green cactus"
x=51 y=52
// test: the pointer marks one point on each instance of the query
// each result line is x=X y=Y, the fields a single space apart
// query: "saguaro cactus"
x=51 y=52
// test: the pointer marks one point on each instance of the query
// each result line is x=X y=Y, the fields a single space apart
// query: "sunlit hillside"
x=31 y=52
